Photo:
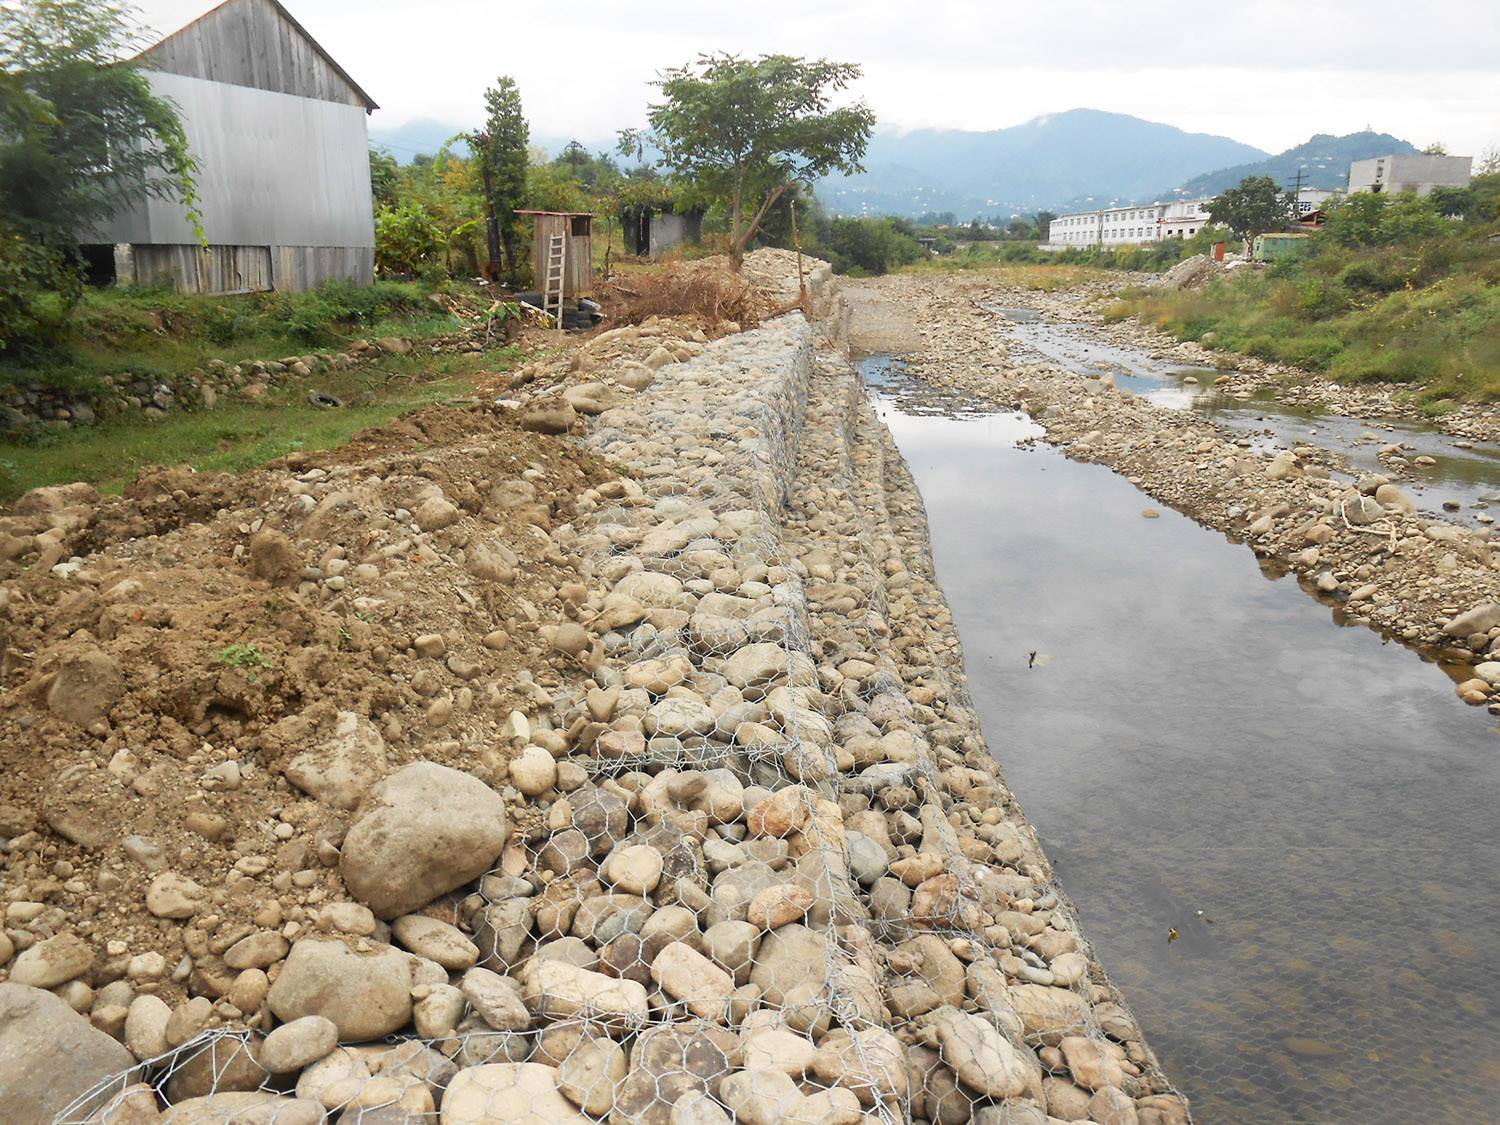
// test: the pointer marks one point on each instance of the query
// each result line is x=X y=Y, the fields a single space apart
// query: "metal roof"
x=291 y=19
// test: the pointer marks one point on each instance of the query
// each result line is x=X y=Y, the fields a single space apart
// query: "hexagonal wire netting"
x=687 y=942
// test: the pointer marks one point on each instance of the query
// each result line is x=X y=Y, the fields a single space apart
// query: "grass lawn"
x=242 y=435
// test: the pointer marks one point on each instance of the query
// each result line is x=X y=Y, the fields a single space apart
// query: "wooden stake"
x=797 y=242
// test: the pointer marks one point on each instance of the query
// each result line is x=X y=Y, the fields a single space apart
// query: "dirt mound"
x=1191 y=273
x=187 y=666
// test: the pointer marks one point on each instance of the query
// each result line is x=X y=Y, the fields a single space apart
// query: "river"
x=1281 y=832
x=1460 y=485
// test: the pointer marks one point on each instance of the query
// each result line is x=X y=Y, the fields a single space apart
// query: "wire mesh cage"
x=783 y=881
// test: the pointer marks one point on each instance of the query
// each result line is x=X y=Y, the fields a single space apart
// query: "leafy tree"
x=1457 y=201
x=1436 y=148
x=596 y=173
x=551 y=186
x=1044 y=220
x=81 y=137
x=1378 y=219
x=1252 y=208
x=871 y=246
x=385 y=178
x=1484 y=189
x=501 y=150
x=745 y=130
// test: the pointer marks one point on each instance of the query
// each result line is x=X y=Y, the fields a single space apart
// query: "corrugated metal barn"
x=279 y=133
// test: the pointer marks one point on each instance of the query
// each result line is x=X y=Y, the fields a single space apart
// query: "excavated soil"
x=156 y=690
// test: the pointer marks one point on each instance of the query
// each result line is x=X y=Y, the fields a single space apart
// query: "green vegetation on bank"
x=241 y=435
x=1154 y=258
x=1394 y=288
x=156 y=332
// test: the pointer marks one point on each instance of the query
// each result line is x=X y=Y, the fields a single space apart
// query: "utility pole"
x=1296 y=192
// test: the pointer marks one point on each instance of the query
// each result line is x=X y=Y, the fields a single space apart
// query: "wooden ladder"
x=552 y=284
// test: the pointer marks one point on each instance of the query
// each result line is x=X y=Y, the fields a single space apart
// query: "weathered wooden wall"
x=250 y=43
x=578 y=276
x=195 y=269
x=244 y=269
x=294 y=268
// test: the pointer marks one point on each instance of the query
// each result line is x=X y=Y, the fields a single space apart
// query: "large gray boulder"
x=50 y=1055
x=366 y=994
x=420 y=833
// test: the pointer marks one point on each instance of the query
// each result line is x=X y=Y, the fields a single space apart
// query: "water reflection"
x=1466 y=477
x=1309 y=808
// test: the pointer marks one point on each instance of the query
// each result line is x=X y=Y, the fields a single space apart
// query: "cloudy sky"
x=1266 y=72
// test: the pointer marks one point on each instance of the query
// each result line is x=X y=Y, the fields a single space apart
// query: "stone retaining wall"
x=785 y=883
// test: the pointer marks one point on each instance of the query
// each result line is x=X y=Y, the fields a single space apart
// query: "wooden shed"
x=577 y=230
x=278 y=129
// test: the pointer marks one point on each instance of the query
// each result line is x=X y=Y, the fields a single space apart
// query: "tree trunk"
x=736 y=248
x=738 y=242
x=491 y=223
x=512 y=266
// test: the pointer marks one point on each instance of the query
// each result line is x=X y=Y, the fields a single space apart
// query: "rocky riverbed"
x=1088 y=303
x=1354 y=540
x=601 y=753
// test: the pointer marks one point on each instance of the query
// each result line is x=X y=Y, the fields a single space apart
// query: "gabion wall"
x=793 y=887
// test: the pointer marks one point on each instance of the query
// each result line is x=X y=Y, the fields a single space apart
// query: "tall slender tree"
x=503 y=160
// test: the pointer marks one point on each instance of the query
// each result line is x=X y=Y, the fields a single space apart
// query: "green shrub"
x=1369 y=275
x=1314 y=352
x=407 y=238
x=30 y=273
x=872 y=246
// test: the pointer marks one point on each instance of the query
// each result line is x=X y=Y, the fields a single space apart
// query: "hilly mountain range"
x=1077 y=160
x=1082 y=155
x=1323 y=161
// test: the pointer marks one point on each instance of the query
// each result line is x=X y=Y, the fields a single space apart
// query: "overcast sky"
x=1266 y=72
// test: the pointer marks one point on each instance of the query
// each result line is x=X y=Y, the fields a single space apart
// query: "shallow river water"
x=1206 y=751
x=1466 y=476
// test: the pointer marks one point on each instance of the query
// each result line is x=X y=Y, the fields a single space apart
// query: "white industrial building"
x=1417 y=172
x=1115 y=226
x=1155 y=222
x=278 y=130
x=1183 y=218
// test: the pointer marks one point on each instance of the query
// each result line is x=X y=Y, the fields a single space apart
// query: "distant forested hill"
x=1324 y=161
x=1079 y=154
